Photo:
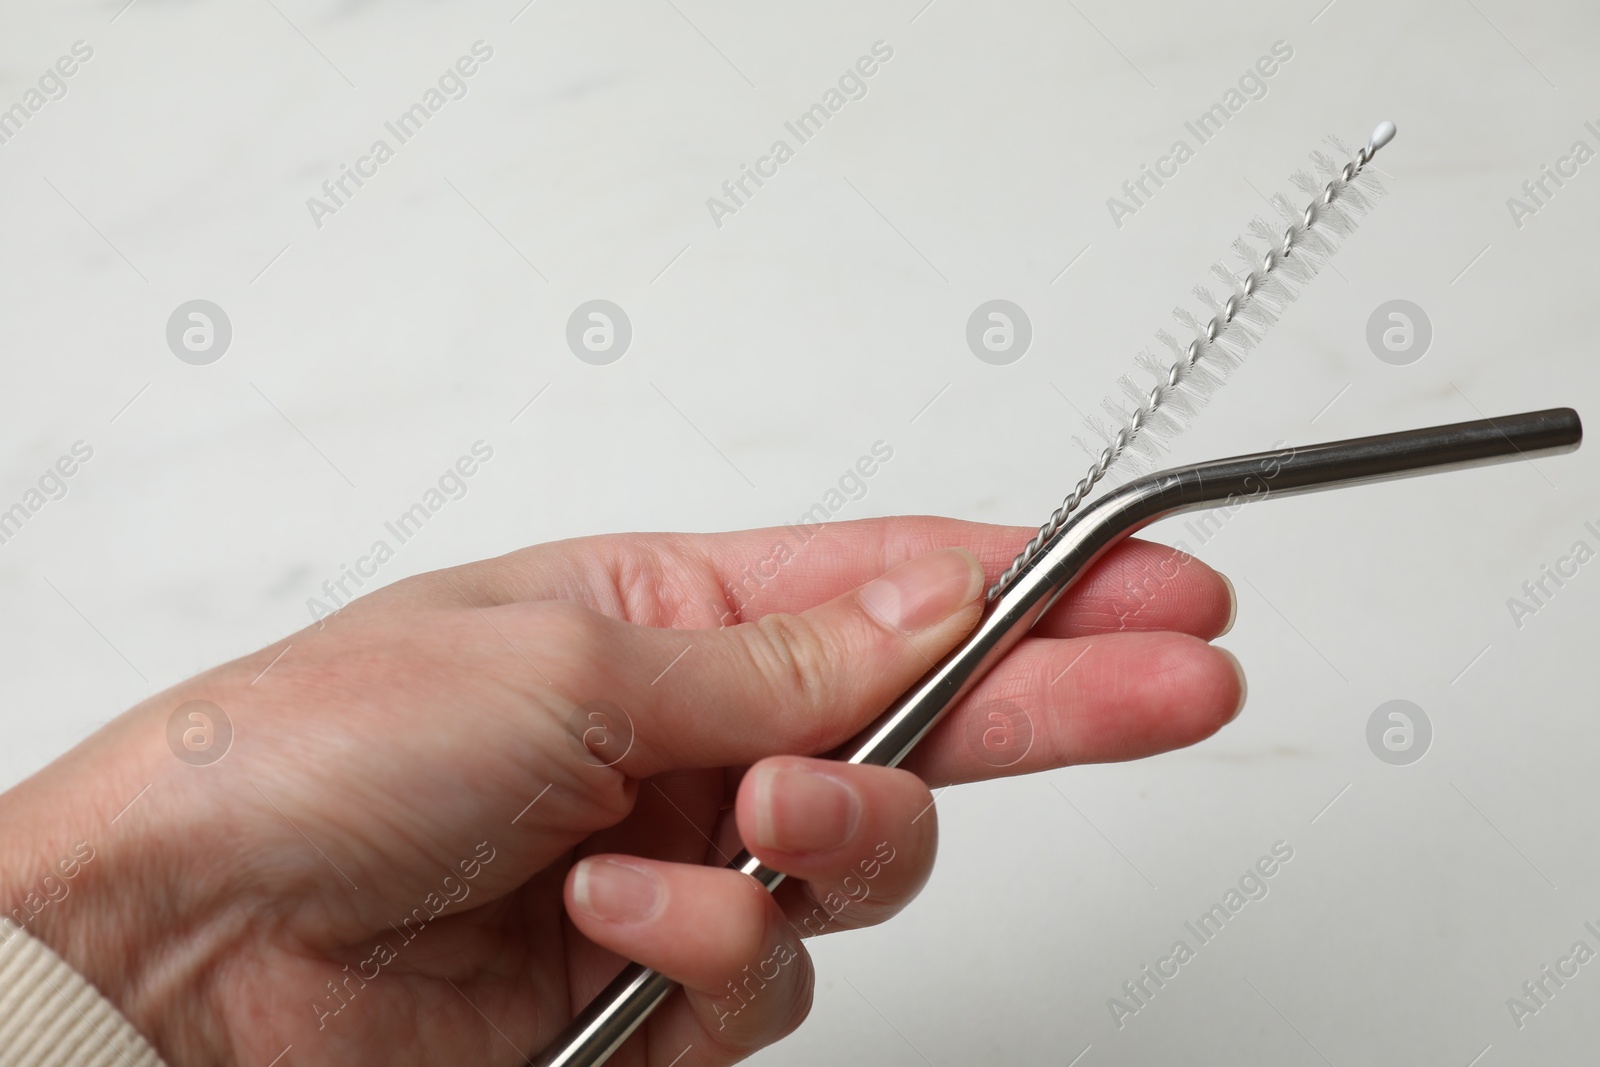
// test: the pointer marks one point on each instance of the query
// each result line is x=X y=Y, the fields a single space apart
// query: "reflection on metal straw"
x=601 y=1027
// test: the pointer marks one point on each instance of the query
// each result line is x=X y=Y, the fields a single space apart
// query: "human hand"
x=422 y=847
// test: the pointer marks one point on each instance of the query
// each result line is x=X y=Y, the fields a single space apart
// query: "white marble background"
x=824 y=316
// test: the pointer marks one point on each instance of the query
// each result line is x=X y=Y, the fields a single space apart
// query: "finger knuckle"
x=747 y=922
x=763 y=1003
x=573 y=627
x=794 y=654
x=570 y=644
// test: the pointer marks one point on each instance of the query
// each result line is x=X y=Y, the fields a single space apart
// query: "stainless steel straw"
x=601 y=1027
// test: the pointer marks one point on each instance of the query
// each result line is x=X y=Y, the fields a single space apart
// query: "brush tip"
x=1382 y=135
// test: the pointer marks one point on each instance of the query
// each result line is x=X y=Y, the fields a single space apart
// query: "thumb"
x=796 y=684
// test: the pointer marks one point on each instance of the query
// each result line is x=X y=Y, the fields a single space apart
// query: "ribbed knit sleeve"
x=51 y=1017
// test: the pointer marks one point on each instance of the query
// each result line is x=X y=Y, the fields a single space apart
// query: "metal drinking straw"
x=601 y=1027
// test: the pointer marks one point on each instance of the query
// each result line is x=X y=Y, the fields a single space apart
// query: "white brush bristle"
x=1155 y=413
x=1312 y=247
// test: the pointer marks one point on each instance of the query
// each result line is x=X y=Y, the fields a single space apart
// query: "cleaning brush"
x=1276 y=268
x=1065 y=550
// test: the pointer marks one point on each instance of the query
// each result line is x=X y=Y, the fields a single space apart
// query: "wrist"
x=85 y=868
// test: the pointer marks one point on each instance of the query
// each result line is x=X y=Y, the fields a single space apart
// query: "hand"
x=451 y=809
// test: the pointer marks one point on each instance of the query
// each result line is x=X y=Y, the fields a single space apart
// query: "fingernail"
x=1244 y=686
x=617 y=892
x=1233 y=604
x=800 y=810
x=927 y=590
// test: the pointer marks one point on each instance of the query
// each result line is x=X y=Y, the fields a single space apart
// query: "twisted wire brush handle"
x=1382 y=135
x=600 y=1028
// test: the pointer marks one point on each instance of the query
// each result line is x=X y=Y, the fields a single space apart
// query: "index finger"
x=697 y=581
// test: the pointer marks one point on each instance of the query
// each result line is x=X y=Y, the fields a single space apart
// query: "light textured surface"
x=770 y=352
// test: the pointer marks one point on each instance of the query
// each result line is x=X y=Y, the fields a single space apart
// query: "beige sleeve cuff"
x=51 y=1017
